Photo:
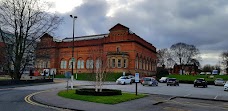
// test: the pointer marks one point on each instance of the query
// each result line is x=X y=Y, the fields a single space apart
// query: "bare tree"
x=164 y=58
x=27 y=21
x=101 y=70
x=183 y=53
x=224 y=56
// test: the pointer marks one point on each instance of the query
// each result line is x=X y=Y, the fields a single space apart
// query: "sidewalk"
x=52 y=99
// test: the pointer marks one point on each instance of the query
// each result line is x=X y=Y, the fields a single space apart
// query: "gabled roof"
x=46 y=35
x=119 y=27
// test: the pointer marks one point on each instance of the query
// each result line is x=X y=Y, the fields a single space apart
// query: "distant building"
x=189 y=69
x=123 y=50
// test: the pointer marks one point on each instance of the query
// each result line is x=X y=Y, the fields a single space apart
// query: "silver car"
x=219 y=82
x=149 y=81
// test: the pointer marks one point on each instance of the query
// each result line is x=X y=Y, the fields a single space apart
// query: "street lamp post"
x=72 y=59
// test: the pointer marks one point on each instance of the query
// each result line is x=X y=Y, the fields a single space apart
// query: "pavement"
x=50 y=98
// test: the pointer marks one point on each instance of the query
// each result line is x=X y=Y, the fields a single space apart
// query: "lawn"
x=4 y=77
x=192 y=78
x=101 y=99
x=91 y=77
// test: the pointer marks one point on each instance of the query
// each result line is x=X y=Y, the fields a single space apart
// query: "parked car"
x=132 y=78
x=226 y=86
x=219 y=81
x=163 y=79
x=149 y=81
x=200 y=82
x=123 y=80
x=172 y=81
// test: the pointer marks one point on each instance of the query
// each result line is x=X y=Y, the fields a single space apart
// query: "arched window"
x=140 y=63
x=63 y=64
x=98 y=63
x=136 y=62
x=89 y=63
x=80 y=64
x=70 y=64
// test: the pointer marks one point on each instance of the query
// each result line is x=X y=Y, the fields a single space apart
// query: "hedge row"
x=91 y=91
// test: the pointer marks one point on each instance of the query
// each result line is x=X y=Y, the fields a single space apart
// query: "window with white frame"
x=98 y=63
x=113 y=63
x=80 y=64
x=125 y=63
x=63 y=64
x=140 y=64
x=89 y=64
x=119 y=63
x=70 y=64
x=136 y=63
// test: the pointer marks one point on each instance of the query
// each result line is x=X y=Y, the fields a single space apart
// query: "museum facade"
x=120 y=50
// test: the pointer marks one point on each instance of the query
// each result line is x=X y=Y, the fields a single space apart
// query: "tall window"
x=125 y=63
x=63 y=64
x=136 y=63
x=119 y=63
x=70 y=64
x=113 y=63
x=98 y=63
x=89 y=64
x=140 y=64
x=80 y=64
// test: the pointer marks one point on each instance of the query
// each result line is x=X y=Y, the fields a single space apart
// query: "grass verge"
x=101 y=99
x=192 y=78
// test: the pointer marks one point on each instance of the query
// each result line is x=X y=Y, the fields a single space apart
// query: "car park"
x=226 y=86
x=219 y=82
x=163 y=79
x=123 y=80
x=172 y=81
x=149 y=81
x=200 y=82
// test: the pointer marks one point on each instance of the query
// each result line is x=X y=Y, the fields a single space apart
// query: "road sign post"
x=136 y=81
x=68 y=76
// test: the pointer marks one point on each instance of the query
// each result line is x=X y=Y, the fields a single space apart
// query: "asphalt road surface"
x=12 y=99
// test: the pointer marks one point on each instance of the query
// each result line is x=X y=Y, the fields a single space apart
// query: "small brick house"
x=122 y=50
x=189 y=69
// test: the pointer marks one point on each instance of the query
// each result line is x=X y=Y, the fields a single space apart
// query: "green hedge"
x=190 y=78
x=91 y=77
x=91 y=91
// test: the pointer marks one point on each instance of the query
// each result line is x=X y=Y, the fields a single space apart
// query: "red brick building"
x=189 y=69
x=120 y=50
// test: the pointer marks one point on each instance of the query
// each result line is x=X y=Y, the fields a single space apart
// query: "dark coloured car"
x=172 y=81
x=200 y=82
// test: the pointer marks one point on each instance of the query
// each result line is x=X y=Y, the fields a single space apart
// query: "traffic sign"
x=68 y=74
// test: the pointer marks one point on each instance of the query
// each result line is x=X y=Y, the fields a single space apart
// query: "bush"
x=91 y=91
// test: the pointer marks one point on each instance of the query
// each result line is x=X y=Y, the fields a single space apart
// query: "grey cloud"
x=202 y=23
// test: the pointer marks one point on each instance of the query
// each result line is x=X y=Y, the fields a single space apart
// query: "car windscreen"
x=146 y=79
x=171 y=79
x=200 y=79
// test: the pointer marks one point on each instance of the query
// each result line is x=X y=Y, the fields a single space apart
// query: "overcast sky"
x=203 y=23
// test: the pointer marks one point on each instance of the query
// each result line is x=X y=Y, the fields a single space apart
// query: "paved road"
x=12 y=99
x=186 y=90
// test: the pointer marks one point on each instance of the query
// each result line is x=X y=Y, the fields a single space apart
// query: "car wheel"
x=130 y=82
x=124 y=83
x=177 y=84
x=167 y=85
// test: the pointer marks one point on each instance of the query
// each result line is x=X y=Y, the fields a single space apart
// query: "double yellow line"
x=28 y=100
